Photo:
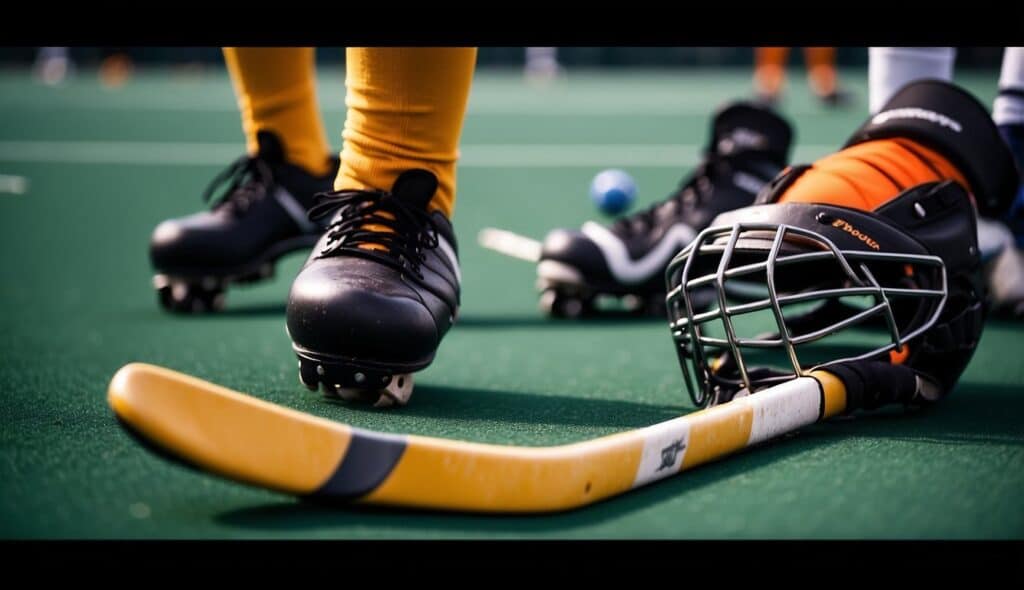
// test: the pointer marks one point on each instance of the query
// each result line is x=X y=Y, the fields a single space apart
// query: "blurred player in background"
x=116 y=67
x=542 y=65
x=53 y=65
x=770 y=74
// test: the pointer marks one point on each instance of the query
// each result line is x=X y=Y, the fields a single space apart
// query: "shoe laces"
x=412 y=230
x=248 y=179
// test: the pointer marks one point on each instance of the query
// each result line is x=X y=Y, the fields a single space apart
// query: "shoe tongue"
x=745 y=127
x=415 y=187
x=270 y=147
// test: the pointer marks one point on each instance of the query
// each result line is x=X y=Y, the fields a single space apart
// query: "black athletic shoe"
x=378 y=293
x=749 y=146
x=257 y=219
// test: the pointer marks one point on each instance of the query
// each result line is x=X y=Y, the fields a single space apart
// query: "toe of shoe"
x=575 y=249
x=351 y=310
x=169 y=245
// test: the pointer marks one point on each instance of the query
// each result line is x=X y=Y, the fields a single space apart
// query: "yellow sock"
x=405 y=110
x=276 y=89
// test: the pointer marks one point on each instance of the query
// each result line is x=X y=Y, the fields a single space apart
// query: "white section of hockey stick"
x=790 y=405
x=509 y=244
x=664 y=448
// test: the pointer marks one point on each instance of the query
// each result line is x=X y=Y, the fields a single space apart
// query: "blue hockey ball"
x=613 y=191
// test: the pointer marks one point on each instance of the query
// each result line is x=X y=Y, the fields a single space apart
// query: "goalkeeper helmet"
x=771 y=292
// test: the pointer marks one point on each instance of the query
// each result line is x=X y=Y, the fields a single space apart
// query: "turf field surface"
x=87 y=172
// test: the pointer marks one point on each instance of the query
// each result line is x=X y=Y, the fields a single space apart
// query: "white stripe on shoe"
x=294 y=209
x=628 y=271
x=445 y=247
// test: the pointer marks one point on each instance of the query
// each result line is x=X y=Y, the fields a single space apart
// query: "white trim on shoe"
x=445 y=247
x=294 y=210
x=558 y=272
x=628 y=271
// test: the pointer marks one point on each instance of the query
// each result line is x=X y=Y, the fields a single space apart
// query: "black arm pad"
x=952 y=122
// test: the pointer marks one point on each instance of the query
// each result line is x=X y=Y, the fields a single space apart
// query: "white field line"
x=472 y=156
x=596 y=103
x=490 y=109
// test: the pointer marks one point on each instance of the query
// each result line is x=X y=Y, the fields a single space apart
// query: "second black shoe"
x=260 y=216
x=378 y=293
x=749 y=146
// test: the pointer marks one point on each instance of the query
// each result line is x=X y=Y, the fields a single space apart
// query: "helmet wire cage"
x=696 y=346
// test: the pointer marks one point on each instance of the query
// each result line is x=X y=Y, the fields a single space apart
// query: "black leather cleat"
x=378 y=293
x=749 y=145
x=257 y=219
